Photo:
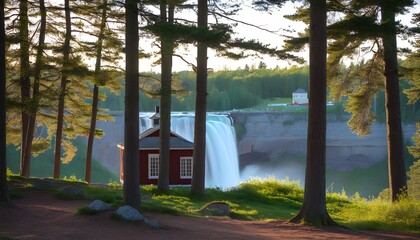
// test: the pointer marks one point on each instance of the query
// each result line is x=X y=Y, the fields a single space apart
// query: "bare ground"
x=38 y=215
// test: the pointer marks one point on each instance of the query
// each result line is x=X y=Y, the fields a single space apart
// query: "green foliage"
x=254 y=89
x=239 y=89
x=9 y=174
x=72 y=178
x=414 y=180
x=111 y=195
x=271 y=188
x=15 y=193
x=65 y=196
x=381 y=214
x=86 y=211
x=359 y=83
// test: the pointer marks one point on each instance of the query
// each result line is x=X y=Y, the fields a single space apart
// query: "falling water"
x=222 y=168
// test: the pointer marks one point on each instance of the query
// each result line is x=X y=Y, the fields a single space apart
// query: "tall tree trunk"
x=165 y=100
x=95 y=97
x=199 y=166
x=396 y=166
x=25 y=84
x=35 y=92
x=62 y=93
x=131 y=116
x=314 y=209
x=88 y=168
x=4 y=195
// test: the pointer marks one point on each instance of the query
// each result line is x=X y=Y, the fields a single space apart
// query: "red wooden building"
x=181 y=157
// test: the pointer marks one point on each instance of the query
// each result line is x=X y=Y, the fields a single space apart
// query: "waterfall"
x=222 y=168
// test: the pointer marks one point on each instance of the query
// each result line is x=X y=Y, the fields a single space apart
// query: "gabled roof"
x=175 y=143
x=300 y=90
x=153 y=142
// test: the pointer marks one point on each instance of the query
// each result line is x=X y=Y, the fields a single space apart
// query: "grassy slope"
x=267 y=199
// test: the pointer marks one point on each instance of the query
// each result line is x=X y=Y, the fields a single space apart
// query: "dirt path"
x=38 y=215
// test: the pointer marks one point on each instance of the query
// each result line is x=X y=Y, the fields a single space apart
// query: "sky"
x=273 y=22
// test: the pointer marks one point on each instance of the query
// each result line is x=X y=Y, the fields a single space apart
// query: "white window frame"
x=184 y=164
x=153 y=159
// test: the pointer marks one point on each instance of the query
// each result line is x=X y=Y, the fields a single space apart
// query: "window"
x=153 y=166
x=186 y=167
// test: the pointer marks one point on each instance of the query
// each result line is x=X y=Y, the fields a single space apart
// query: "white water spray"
x=222 y=168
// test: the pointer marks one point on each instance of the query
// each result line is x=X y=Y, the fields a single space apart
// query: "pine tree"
x=25 y=85
x=62 y=91
x=4 y=194
x=361 y=25
x=199 y=158
x=167 y=48
x=106 y=51
x=39 y=64
x=40 y=73
x=396 y=165
x=131 y=123
x=314 y=210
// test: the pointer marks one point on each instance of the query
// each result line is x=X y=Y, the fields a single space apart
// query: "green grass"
x=377 y=214
x=263 y=106
x=271 y=199
x=267 y=199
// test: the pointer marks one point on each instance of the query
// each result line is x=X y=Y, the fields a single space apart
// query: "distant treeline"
x=244 y=88
x=230 y=89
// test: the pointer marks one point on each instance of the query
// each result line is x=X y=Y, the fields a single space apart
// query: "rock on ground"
x=216 y=209
x=129 y=213
x=151 y=223
x=72 y=191
x=99 y=205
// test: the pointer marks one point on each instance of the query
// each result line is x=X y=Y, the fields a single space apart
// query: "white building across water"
x=300 y=96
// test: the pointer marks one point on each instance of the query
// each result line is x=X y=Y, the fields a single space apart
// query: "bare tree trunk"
x=95 y=97
x=131 y=117
x=25 y=84
x=37 y=75
x=4 y=195
x=199 y=166
x=314 y=209
x=165 y=100
x=396 y=166
x=62 y=93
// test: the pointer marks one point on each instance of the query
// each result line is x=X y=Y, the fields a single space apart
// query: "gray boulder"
x=128 y=213
x=71 y=192
x=99 y=205
x=151 y=223
x=216 y=209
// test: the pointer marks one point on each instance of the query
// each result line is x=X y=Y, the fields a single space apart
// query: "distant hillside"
x=42 y=166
